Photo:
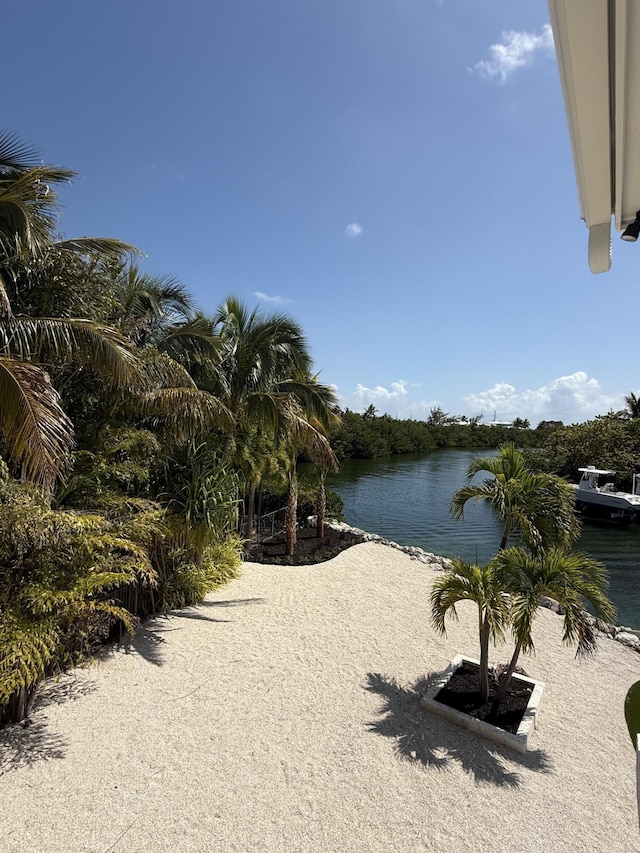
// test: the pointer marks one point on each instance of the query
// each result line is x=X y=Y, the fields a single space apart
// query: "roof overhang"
x=600 y=76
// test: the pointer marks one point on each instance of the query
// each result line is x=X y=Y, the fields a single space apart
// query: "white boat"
x=603 y=500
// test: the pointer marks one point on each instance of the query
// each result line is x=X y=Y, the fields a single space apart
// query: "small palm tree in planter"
x=572 y=578
x=467 y=582
x=508 y=592
x=539 y=509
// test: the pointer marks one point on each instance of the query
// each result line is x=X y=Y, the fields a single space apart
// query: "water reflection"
x=406 y=499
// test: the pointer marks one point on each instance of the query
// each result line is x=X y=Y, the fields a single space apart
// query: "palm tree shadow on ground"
x=424 y=738
x=148 y=640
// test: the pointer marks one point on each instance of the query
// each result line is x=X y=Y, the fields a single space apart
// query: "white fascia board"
x=581 y=35
x=627 y=112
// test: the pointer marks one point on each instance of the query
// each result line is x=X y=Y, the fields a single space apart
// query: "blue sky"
x=394 y=174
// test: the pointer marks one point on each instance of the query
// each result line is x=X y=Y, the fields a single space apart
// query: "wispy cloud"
x=516 y=50
x=353 y=230
x=277 y=300
x=166 y=170
x=572 y=399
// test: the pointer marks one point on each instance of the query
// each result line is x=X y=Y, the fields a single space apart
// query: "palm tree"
x=306 y=430
x=633 y=405
x=175 y=345
x=146 y=304
x=573 y=579
x=256 y=354
x=261 y=376
x=463 y=581
x=29 y=211
x=540 y=508
x=39 y=443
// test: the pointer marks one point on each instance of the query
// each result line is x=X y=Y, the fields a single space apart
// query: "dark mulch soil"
x=462 y=692
x=309 y=549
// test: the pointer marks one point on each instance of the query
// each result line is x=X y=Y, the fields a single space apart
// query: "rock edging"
x=622 y=634
x=414 y=552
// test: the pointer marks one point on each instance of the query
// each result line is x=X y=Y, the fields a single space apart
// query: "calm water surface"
x=406 y=499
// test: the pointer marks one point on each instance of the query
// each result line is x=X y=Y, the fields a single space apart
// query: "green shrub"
x=182 y=583
x=58 y=574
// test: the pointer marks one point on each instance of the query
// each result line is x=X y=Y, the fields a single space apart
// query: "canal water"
x=406 y=499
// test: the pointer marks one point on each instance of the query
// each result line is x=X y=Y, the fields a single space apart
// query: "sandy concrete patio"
x=283 y=715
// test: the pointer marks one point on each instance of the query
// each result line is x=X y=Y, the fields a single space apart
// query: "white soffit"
x=599 y=66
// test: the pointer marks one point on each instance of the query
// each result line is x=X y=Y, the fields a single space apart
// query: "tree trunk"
x=259 y=513
x=506 y=680
x=505 y=535
x=484 y=658
x=292 y=513
x=251 y=508
x=321 y=507
x=18 y=707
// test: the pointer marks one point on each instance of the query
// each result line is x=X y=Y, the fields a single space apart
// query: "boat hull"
x=608 y=506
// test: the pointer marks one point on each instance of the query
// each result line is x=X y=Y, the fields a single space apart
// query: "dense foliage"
x=367 y=436
x=135 y=433
x=539 y=509
x=610 y=441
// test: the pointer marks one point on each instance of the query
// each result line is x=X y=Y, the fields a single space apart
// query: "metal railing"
x=271 y=524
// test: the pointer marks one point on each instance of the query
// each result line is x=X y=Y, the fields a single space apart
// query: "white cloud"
x=516 y=50
x=353 y=230
x=278 y=300
x=571 y=399
x=394 y=400
x=380 y=394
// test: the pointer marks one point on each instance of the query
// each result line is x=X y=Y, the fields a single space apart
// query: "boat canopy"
x=592 y=470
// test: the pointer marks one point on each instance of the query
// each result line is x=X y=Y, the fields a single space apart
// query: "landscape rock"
x=630 y=640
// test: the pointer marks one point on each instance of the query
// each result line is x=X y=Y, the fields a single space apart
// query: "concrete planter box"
x=518 y=741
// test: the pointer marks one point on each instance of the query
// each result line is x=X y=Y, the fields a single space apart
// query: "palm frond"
x=106 y=247
x=37 y=432
x=190 y=342
x=159 y=370
x=186 y=410
x=98 y=345
x=15 y=153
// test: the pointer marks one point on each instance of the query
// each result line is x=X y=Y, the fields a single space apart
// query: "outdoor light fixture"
x=630 y=233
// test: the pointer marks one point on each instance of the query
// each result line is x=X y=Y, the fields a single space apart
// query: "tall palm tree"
x=261 y=376
x=573 y=579
x=540 y=508
x=146 y=304
x=463 y=581
x=307 y=430
x=257 y=354
x=28 y=210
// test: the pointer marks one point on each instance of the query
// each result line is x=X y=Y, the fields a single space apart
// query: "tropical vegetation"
x=537 y=507
x=464 y=581
x=608 y=441
x=136 y=434
x=370 y=435
x=538 y=510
